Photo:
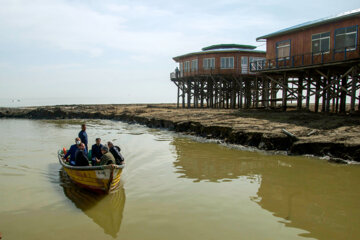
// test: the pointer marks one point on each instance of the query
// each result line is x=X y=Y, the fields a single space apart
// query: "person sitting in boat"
x=83 y=136
x=96 y=151
x=81 y=156
x=107 y=158
x=72 y=151
x=115 y=151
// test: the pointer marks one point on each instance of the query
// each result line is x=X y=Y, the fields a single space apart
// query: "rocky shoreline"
x=318 y=134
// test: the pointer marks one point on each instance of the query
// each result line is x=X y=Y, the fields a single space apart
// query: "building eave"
x=217 y=52
x=310 y=24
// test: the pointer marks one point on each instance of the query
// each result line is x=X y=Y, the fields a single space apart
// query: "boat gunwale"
x=87 y=168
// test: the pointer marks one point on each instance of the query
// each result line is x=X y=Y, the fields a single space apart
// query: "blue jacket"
x=84 y=138
x=96 y=151
x=72 y=151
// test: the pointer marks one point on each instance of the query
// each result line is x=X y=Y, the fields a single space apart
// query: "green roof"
x=224 y=46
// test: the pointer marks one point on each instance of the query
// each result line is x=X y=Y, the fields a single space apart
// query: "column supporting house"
x=300 y=92
x=353 y=89
x=317 y=92
x=284 y=91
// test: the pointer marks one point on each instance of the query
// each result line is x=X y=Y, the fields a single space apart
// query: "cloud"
x=69 y=27
x=141 y=58
x=52 y=67
x=76 y=27
x=135 y=29
x=136 y=10
x=58 y=42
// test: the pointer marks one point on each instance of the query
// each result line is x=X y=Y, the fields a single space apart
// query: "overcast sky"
x=121 y=51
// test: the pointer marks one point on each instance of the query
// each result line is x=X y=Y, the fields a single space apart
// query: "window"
x=345 y=38
x=181 y=67
x=209 y=63
x=283 y=49
x=187 y=66
x=194 y=65
x=226 y=62
x=257 y=63
x=320 y=43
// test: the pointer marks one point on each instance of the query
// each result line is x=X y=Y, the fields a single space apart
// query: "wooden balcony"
x=307 y=60
x=210 y=72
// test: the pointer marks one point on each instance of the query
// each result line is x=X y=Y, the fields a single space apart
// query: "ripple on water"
x=183 y=186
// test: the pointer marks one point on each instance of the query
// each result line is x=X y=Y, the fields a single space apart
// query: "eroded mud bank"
x=317 y=134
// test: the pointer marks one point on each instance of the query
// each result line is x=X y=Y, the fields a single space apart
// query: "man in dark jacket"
x=80 y=157
x=115 y=151
x=83 y=135
x=72 y=151
x=96 y=151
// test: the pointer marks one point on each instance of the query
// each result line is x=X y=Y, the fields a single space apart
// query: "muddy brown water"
x=173 y=187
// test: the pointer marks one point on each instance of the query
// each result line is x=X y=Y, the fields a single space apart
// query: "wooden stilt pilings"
x=323 y=89
x=284 y=92
x=332 y=89
x=308 y=91
x=300 y=95
x=354 y=80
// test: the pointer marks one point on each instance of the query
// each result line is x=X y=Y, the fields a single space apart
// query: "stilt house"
x=317 y=61
x=218 y=76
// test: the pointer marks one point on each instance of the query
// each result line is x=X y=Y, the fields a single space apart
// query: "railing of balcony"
x=195 y=72
x=210 y=71
x=306 y=59
x=172 y=75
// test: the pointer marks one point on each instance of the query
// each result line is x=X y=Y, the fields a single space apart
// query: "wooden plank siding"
x=301 y=44
x=237 y=63
x=327 y=76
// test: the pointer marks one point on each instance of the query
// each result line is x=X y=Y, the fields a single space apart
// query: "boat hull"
x=98 y=178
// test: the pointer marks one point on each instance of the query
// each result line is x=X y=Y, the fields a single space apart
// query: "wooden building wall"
x=301 y=40
x=237 y=62
x=329 y=79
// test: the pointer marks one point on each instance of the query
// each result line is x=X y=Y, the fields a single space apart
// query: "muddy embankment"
x=318 y=134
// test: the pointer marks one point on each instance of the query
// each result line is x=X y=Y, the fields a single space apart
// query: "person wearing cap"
x=96 y=151
x=107 y=158
x=72 y=151
x=83 y=135
x=81 y=156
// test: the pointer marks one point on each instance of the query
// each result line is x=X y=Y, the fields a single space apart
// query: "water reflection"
x=105 y=210
x=308 y=194
x=201 y=162
x=321 y=199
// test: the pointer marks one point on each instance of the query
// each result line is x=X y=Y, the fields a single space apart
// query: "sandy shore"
x=337 y=136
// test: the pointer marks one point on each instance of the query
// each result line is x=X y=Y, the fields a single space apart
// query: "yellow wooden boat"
x=105 y=210
x=96 y=178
